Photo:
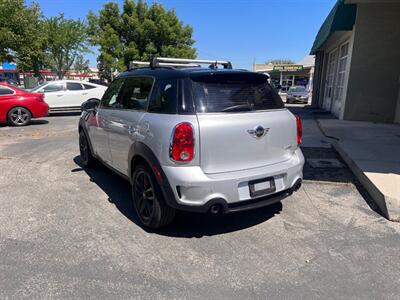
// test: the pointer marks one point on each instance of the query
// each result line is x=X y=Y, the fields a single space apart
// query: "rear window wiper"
x=239 y=107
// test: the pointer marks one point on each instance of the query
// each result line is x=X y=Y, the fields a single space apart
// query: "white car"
x=69 y=94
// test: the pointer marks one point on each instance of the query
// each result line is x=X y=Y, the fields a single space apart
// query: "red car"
x=18 y=107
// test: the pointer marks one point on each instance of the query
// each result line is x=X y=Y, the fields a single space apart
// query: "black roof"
x=166 y=73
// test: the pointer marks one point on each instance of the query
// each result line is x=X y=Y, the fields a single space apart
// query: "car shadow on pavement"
x=185 y=224
x=33 y=122
x=64 y=113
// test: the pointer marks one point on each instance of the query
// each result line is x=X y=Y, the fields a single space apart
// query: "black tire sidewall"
x=90 y=160
x=161 y=211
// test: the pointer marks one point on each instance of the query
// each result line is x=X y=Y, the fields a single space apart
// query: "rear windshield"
x=297 y=89
x=234 y=93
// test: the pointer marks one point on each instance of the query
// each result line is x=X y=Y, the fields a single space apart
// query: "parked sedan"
x=64 y=95
x=297 y=94
x=18 y=107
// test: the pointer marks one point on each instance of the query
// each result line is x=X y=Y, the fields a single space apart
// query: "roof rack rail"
x=157 y=61
x=167 y=62
x=145 y=64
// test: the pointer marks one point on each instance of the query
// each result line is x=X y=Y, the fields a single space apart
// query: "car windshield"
x=297 y=89
x=234 y=93
x=39 y=87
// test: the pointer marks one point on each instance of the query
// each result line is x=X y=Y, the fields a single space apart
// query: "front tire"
x=148 y=199
x=19 y=116
x=86 y=154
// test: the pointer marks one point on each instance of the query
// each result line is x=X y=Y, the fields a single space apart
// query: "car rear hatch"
x=242 y=122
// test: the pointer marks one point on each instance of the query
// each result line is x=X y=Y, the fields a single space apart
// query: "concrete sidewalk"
x=372 y=151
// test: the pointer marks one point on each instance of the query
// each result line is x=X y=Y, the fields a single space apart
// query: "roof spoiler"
x=160 y=62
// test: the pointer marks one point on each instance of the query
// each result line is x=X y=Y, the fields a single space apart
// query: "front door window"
x=53 y=87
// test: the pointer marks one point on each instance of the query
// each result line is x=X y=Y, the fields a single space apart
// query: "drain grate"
x=325 y=163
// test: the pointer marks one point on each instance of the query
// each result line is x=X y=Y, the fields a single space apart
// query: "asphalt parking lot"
x=67 y=232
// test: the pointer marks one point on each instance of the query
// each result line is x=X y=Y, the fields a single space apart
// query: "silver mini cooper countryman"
x=209 y=139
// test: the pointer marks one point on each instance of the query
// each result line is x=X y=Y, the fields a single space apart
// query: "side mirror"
x=278 y=86
x=90 y=105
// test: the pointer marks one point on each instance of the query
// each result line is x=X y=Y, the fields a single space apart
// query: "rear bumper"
x=195 y=191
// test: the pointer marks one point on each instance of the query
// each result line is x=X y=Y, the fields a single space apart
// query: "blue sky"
x=243 y=31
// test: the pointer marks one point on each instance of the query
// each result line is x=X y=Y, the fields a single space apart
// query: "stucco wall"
x=373 y=84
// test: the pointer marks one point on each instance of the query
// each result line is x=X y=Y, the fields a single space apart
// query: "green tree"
x=280 y=61
x=21 y=35
x=81 y=64
x=66 y=40
x=138 y=32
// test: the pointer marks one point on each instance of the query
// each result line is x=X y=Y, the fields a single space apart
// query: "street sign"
x=288 y=68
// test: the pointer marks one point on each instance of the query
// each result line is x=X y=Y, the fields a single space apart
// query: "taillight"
x=299 y=130
x=182 y=143
x=40 y=97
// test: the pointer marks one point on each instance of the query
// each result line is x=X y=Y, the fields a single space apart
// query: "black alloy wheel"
x=148 y=199
x=19 y=116
x=144 y=196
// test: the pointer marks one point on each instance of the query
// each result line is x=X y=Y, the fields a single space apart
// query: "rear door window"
x=164 y=99
x=135 y=93
x=88 y=86
x=234 y=93
x=74 y=86
x=297 y=89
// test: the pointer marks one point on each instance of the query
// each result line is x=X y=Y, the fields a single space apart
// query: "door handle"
x=59 y=95
x=84 y=93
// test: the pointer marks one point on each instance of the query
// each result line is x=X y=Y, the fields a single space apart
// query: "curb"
x=386 y=206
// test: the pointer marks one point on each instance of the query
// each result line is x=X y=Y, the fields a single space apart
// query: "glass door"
x=339 y=84
x=330 y=79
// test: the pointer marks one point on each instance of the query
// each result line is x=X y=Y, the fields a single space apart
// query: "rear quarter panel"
x=156 y=131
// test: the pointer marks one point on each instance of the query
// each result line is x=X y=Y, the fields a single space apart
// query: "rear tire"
x=86 y=154
x=148 y=199
x=19 y=116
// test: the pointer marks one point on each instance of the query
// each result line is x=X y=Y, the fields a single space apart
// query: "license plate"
x=261 y=187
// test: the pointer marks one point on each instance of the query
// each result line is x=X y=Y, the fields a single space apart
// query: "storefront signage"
x=8 y=66
x=288 y=68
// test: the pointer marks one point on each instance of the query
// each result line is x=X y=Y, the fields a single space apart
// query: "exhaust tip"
x=215 y=209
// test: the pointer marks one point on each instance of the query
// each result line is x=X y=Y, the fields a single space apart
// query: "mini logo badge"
x=258 y=132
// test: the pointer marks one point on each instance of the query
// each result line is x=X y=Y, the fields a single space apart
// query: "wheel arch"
x=141 y=153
